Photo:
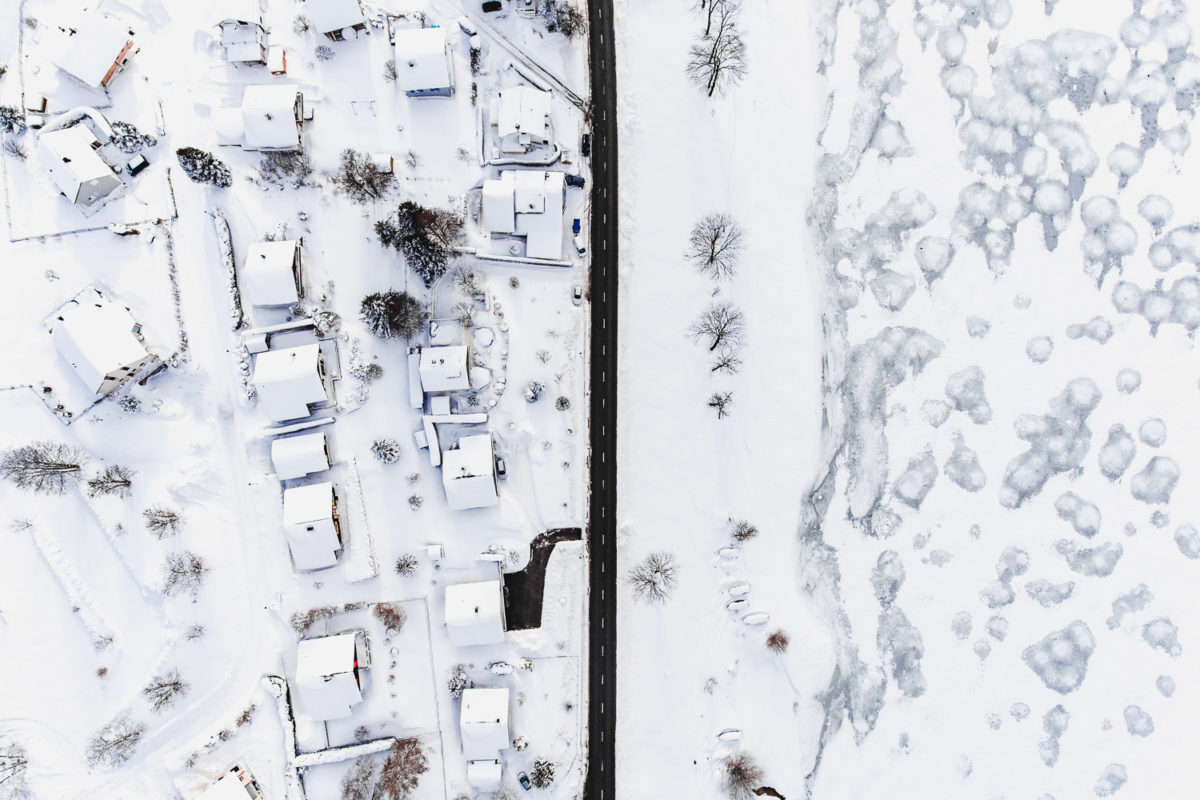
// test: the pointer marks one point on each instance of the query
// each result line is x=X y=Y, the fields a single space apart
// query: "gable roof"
x=325 y=675
x=95 y=336
x=269 y=117
x=269 y=274
x=483 y=721
x=69 y=157
x=305 y=504
x=88 y=44
x=288 y=381
x=475 y=613
x=469 y=473
x=523 y=110
x=421 y=59
x=334 y=15
x=297 y=456
x=227 y=788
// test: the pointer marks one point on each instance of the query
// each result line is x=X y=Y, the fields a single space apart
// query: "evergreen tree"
x=204 y=167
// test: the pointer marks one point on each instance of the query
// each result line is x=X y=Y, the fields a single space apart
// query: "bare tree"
x=718 y=59
x=391 y=615
x=14 y=763
x=359 y=781
x=360 y=179
x=654 y=578
x=115 y=742
x=162 y=521
x=721 y=401
x=541 y=774
x=715 y=244
x=402 y=771
x=742 y=776
x=46 y=467
x=744 y=530
x=727 y=361
x=708 y=7
x=778 y=641
x=722 y=325
x=114 y=479
x=183 y=572
x=163 y=690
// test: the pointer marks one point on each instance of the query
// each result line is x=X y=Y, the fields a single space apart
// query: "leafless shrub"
x=114 y=479
x=778 y=641
x=514 y=282
x=279 y=167
x=14 y=763
x=457 y=682
x=715 y=245
x=302 y=621
x=115 y=742
x=386 y=451
x=653 y=579
x=720 y=325
x=390 y=73
x=406 y=763
x=721 y=401
x=15 y=148
x=541 y=774
x=359 y=781
x=360 y=180
x=162 y=521
x=300 y=25
x=415 y=501
x=45 y=467
x=163 y=690
x=183 y=572
x=742 y=776
x=391 y=615
x=562 y=403
x=324 y=52
x=743 y=530
x=406 y=565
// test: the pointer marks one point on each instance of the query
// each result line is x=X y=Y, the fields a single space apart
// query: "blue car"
x=524 y=779
x=574 y=180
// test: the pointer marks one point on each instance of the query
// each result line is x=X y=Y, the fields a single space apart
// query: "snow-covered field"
x=988 y=592
x=85 y=623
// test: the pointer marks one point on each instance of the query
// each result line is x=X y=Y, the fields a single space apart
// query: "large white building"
x=290 y=381
x=269 y=118
x=469 y=473
x=521 y=115
x=70 y=159
x=423 y=64
x=100 y=340
x=475 y=613
x=445 y=369
x=312 y=525
x=91 y=47
x=272 y=273
x=527 y=203
x=483 y=723
x=328 y=676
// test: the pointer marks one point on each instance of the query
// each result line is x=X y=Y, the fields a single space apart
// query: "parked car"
x=577 y=295
x=492 y=5
x=136 y=164
x=575 y=180
x=501 y=468
x=575 y=226
x=524 y=779
x=585 y=145
x=580 y=246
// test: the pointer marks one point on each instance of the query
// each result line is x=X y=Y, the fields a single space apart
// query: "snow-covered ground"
x=83 y=617
x=988 y=590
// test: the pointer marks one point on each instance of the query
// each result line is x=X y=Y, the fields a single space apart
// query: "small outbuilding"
x=475 y=613
x=423 y=64
x=290 y=382
x=101 y=341
x=300 y=455
x=92 y=47
x=78 y=172
x=469 y=473
x=312 y=525
x=328 y=675
x=445 y=369
x=273 y=273
x=337 y=19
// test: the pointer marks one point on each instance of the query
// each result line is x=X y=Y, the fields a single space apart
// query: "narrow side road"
x=602 y=539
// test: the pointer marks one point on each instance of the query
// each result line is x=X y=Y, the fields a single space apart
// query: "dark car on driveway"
x=492 y=5
x=585 y=145
x=524 y=779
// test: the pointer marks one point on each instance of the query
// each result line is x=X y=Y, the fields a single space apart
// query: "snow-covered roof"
x=444 y=369
x=297 y=456
x=227 y=788
x=528 y=203
x=484 y=723
x=95 y=336
x=69 y=156
x=469 y=473
x=288 y=381
x=328 y=16
x=485 y=776
x=475 y=613
x=243 y=37
x=305 y=504
x=88 y=46
x=523 y=117
x=270 y=273
x=269 y=117
x=325 y=676
x=422 y=63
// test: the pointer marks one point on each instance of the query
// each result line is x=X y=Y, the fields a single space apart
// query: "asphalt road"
x=602 y=528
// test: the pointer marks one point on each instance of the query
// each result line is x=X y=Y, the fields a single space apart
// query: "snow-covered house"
x=445 y=369
x=272 y=273
x=475 y=613
x=469 y=473
x=100 y=340
x=91 y=47
x=311 y=525
x=483 y=723
x=244 y=38
x=527 y=203
x=423 y=65
x=268 y=119
x=236 y=784
x=70 y=159
x=290 y=381
x=328 y=675
x=521 y=116
x=337 y=19
x=297 y=456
